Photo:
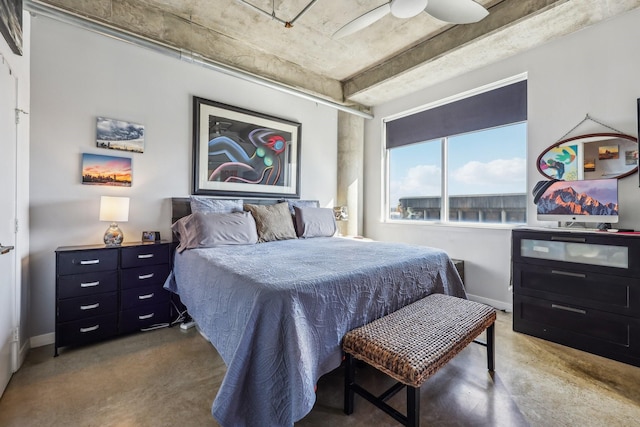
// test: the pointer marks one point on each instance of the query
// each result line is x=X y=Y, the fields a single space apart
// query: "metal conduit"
x=39 y=8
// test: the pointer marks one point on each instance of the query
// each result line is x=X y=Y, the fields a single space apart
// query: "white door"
x=8 y=288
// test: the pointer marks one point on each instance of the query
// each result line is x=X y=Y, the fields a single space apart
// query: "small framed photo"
x=150 y=236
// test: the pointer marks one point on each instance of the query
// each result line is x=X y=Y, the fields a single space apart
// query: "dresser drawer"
x=151 y=254
x=617 y=294
x=144 y=276
x=77 y=285
x=77 y=262
x=138 y=318
x=87 y=330
x=87 y=306
x=144 y=295
x=599 y=332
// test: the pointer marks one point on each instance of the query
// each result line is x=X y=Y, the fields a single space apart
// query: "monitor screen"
x=592 y=200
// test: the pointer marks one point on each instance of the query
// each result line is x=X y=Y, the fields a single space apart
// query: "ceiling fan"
x=453 y=11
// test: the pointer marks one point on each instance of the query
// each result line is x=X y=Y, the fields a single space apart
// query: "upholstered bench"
x=411 y=344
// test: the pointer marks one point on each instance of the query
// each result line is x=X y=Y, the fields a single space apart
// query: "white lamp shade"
x=114 y=209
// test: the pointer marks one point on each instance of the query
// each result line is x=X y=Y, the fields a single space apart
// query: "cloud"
x=496 y=173
x=421 y=180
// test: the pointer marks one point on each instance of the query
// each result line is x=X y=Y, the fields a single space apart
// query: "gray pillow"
x=315 y=222
x=293 y=203
x=272 y=221
x=205 y=230
x=207 y=204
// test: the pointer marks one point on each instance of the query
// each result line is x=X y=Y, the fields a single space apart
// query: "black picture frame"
x=11 y=24
x=243 y=153
x=150 y=236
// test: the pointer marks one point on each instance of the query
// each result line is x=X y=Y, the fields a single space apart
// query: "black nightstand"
x=104 y=291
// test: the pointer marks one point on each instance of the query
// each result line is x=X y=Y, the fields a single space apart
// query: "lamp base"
x=113 y=236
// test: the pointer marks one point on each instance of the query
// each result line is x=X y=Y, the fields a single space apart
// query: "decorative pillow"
x=293 y=203
x=207 y=204
x=301 y=204
x=315 y=222
x=205 y=230
x=272 y=221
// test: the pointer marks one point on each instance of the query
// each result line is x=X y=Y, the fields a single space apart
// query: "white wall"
x=592 y=71
x=78 y=75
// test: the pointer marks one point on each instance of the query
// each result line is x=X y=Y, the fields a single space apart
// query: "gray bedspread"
x=276 y=312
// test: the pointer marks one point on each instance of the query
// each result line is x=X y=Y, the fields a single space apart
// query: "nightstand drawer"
x=87 y=306
x=138 y=318
x=87 y=330
x=77 y=285
x=146 y=295
x=77 y=262
x=144 y=276
x=142 y=255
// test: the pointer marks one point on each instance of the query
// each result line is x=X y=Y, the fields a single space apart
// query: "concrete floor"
x=168 y=377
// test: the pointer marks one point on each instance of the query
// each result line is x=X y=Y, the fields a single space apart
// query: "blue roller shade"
x=502 y=106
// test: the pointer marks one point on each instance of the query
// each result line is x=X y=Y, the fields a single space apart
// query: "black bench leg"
x=490 y=347
x=413 y=406
x=349 y=378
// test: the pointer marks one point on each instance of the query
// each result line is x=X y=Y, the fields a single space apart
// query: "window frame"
x=444 y=212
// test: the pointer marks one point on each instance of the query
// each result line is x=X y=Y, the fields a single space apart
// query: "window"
x=474 y=176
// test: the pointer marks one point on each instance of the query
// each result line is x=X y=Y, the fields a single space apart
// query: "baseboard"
x=42 y=340
x=500 y=305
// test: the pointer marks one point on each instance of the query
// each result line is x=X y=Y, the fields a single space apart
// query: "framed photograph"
x=11 y=24
x=608 y=152
x=237 y=152
x=150 y=236
x=119 y=135
x=106 y=170
x=589 y=165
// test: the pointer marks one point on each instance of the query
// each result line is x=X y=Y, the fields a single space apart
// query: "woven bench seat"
x=412 y=343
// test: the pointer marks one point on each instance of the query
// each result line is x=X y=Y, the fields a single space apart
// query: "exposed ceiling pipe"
x=38 y=8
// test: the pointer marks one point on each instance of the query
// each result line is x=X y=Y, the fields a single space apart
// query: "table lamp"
x=114 y=210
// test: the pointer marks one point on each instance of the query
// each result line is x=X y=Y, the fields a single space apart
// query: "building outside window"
x=475 y=176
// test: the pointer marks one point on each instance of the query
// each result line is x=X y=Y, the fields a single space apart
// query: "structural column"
x=350 y=171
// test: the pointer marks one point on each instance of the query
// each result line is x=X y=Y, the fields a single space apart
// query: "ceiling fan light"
x=407 y=8
x=456 y=11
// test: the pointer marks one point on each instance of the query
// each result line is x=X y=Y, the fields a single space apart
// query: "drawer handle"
x=145 y=296
x=89 y=329
x=569 y=239
x=146 y=316
x=145 y=256
x=90 y=307
x=89 y=284
x=569 y=273
x=89 y=261
x=571 y=309
x=145 y=276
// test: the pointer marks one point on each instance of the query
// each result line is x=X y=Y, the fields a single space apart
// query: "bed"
x=276 y=311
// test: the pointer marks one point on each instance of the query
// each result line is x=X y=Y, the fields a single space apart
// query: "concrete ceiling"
x=389 y=59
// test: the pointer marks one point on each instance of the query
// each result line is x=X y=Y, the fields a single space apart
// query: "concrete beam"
x=501 y=16
x=145 y=20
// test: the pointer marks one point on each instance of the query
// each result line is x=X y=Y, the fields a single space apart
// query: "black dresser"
x=102 y=292
x=580 y=289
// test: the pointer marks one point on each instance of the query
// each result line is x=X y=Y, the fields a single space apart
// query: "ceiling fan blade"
x=456 y=11
x=407 y=8
x=363 y=21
